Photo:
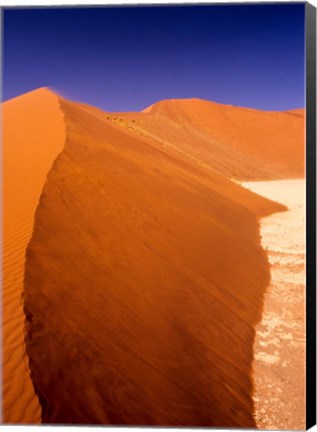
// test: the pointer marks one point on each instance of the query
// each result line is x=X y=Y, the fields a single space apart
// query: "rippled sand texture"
x=144 y=280
x=279 y=366
x=33 y=135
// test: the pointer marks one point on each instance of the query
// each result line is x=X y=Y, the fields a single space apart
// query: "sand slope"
x=237 y=142
x=33 y=135
x=144 y=280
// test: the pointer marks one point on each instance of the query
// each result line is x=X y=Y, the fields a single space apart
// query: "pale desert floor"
x=279 y=365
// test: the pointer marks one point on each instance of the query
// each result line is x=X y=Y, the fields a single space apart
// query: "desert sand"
x=157 y=329
x=144 y=276
x=279 y=349
x=33 y=135
x=240 y=143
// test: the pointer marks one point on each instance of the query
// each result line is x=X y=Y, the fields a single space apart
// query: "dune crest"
x=144 y=280
x=240 y=143
x=33 y=135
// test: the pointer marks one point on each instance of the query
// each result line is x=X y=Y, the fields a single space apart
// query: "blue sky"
x=126 y=58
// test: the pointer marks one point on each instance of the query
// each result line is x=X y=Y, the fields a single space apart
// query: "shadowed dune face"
x=144 y=279
x=236 y=142
x=33 y=135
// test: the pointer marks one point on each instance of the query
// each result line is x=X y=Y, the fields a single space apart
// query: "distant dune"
x=240 y=143
x=144 y=275
x=33 y=135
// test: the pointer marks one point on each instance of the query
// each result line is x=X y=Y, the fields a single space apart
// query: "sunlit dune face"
x=33 y=135
x=237 y=142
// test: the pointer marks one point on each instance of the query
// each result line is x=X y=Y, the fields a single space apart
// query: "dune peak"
x=35 y=93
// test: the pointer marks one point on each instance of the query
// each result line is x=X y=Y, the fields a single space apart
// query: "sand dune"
x=33 y=135
x=144 y=280
x=239 y=143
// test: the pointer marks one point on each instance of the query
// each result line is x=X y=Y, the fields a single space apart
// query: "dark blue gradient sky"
x=124 y=59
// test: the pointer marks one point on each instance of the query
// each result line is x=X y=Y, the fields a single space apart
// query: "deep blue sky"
x=124 y=59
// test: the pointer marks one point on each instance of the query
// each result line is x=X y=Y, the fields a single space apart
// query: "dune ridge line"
x=33 y=136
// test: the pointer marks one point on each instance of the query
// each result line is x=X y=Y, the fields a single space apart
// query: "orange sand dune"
x=33 y=135
x=144 y=280
x=299 y=111
x=239 y=143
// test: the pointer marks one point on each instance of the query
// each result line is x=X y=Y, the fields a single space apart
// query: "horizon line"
x=58 y=93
